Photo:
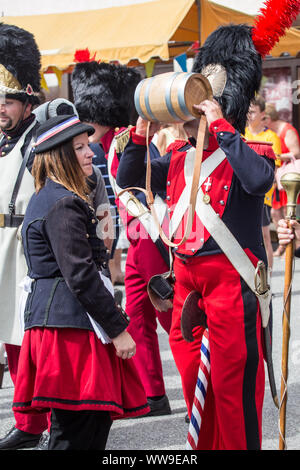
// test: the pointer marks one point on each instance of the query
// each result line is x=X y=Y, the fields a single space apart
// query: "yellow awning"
x=140 y=31
x=133 y=32
x=213 y=15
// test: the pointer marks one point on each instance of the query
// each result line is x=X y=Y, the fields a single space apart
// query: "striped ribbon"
x=200 y=394
x=56 y=129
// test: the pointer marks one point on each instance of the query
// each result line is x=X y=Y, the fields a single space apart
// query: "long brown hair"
x=60 y=165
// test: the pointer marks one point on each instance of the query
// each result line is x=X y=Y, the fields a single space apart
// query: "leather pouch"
x=161 y=290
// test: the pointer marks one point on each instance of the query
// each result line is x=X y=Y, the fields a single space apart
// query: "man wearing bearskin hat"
x=217 y=267
x=19 y=88
x=104 y=98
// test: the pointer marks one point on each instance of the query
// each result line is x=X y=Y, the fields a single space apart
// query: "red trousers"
x=233 y=408
x=32 y=423
x=143 y=261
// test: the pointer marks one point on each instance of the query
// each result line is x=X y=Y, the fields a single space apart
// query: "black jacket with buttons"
x=64 y=255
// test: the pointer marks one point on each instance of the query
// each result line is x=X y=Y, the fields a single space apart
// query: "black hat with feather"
x=239 y=49
x=20 y=64
x=232 y=47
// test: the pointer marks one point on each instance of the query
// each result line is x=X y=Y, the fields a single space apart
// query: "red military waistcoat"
x=217 y=186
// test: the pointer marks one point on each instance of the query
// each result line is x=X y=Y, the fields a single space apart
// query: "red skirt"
x=71 y=369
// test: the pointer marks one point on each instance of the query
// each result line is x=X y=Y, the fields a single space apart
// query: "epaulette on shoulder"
x=262 y=148
x=176 y=145
x=122 y=137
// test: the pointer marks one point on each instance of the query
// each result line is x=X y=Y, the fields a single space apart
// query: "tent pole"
x=198 y=2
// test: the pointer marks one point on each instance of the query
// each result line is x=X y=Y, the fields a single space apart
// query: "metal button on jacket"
x=206 y=198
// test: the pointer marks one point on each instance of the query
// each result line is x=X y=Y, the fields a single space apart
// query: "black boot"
x=44 y=442
x=159 y=406
x=16 y=439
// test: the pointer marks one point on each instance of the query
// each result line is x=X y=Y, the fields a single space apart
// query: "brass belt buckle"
x=2 y=223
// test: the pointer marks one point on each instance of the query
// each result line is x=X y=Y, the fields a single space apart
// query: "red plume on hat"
x=83 y=55
x=273 y=19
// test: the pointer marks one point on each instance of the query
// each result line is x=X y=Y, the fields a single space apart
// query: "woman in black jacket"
x=72 y=359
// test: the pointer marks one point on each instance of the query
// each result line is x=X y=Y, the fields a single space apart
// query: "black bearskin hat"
x=104 y=93
x=232 y=47
x=20 y=64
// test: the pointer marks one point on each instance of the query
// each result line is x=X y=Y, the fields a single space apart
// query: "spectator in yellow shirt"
x=257 y=131
x=290 y=147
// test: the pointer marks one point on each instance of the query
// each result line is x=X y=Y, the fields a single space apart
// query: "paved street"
x=169 y=432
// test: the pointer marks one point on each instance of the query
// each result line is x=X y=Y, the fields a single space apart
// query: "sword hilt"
x=261 y=278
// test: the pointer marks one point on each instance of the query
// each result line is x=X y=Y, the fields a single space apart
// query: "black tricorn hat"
x=58 y=130
x=20 y=63
x=104 y=93
x=232 y=47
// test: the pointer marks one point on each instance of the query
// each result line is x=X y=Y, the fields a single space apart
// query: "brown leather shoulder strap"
x=194 y=188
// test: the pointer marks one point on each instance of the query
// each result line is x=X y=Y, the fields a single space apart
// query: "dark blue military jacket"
x=64 y=255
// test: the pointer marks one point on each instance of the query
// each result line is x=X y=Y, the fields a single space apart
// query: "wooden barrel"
x=169 y=97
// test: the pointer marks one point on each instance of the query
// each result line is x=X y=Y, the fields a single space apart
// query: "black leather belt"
x=10 y=220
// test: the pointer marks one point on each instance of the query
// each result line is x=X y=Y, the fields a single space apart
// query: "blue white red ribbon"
x=56 y=129
x=200 y=394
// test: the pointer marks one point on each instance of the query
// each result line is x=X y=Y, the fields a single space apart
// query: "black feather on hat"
x=232 y=47
x=20 y=63
x=104 y=93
